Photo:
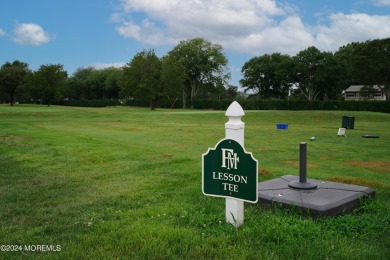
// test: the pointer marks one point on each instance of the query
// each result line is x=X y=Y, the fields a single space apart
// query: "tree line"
x=197 y=68
x=318 y=75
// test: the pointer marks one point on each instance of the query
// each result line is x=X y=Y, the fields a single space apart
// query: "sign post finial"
x=235 y=127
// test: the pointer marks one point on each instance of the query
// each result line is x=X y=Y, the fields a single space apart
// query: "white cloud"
x=287 y=37
x=344 y=29
x=170 y=21
x=2 y=32
x=100 y=66
x=146 y=32
x=254 y=27
x=30 y=34
x=381 y=2
x=116 y=17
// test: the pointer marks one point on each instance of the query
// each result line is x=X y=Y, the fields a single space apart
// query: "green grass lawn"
x=125 y=182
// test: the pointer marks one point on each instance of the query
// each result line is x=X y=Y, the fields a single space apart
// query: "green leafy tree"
x=12 y=77
x=367 y=92
x=334 y=79
x=90 y=83
x=204 y=63
x=49 y=81
x=231 y=92
x=219 y=92
x=317 y=73
x=148 y=77
x=381 y=72
x=112 y=82
x=172 y=77
x=142 y=77
x=344 y=56
x=96 y=83
x=76 y=86
x=268 y=75
x=371 y=64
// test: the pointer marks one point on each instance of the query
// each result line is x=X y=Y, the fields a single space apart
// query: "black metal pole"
x=302 y=184
x=302 y=162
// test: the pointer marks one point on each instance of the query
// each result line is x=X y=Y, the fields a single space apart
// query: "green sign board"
x=229 y=171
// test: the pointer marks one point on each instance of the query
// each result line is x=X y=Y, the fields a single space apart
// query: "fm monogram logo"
x=229 y=159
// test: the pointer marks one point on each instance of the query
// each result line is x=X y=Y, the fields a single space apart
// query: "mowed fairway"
x=125 y=183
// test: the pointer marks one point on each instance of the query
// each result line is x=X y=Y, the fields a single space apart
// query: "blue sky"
x=101 y=33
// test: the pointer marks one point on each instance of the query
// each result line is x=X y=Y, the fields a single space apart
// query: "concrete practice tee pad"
x=329 y=198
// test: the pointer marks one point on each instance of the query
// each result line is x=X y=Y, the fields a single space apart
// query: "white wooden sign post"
x=228 y=171
x=234 y=129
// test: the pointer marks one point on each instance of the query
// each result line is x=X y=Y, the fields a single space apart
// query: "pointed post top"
x=235 y=127
x=234 y=110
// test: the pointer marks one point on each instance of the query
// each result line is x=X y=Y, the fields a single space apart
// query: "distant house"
x=362 y=92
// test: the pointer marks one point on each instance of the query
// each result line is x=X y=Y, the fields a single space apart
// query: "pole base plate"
x=302 y=185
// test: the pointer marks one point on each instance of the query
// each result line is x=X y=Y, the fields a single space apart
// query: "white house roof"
x=356 y=88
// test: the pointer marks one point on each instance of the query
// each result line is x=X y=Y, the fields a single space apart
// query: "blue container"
x=282 y=126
